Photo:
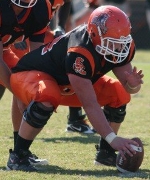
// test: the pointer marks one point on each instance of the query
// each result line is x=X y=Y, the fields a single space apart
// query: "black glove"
x=22 y=45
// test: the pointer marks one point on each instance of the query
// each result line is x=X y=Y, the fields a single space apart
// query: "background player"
x=21 y=20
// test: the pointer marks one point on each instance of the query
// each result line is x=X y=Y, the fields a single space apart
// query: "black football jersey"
x=70 y=53
x=33 y=22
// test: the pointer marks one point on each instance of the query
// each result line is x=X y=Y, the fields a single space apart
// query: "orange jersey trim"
x=25 y=16
x=85 y=53
x=41 y=31
x=49 y=8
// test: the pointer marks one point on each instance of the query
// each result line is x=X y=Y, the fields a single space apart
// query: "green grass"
x=71 y=155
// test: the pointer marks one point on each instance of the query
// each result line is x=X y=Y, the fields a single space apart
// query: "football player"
x=22 y=19
x=44 y=76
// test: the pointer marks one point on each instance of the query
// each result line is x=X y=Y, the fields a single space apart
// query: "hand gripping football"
x=131 y=164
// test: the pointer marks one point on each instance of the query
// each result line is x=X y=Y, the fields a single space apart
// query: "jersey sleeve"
x=78 y=64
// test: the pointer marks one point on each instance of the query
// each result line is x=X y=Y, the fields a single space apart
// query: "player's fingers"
x=134 y=143
x=122 y=154
x=140 y=72
x=129 y=151
x=134 y=69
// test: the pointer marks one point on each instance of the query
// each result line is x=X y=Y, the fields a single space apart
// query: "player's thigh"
x=35 y=85
x=110 y=91
x=70 y=100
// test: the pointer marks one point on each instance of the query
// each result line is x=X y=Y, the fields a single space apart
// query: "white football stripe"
x=136 y=148
x=122 y=170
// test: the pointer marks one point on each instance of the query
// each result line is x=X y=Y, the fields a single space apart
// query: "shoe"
x=35 y=161
x=19 y=162
x=80 y=126
x=103 y=157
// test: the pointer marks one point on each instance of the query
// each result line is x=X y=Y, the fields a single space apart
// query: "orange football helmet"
x=109 y=29
x=24 y=3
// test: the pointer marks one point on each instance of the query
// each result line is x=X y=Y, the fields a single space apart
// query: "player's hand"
x=135 y=77
x=21 y=45
x=58 y=32
x=123 y=145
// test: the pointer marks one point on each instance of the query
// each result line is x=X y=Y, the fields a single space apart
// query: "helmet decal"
x=100 y=21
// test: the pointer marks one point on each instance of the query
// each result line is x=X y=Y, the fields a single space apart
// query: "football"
x=131 y=164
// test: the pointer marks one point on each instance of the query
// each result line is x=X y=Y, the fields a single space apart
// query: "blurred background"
x=138 y=11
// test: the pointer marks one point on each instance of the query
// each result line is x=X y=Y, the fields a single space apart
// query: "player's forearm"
x=98 y=120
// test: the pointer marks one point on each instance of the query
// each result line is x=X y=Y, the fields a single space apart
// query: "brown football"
x=131 y=164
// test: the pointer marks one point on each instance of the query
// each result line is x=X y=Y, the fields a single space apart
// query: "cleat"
x=35 y=161
x=19 y=162
x=80 y=126
x=103 y=157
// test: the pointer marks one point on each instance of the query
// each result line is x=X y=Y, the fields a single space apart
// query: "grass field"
x=71 y=156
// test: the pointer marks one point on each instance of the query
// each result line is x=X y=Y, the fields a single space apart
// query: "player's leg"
x=35 y=116
x=16 y=121
x=34 y=119
x=7 y=55
x=76 y=120
x=2 y=90
x=16 y=115
x=105 y=153
x=16 y=118
x=113 y=97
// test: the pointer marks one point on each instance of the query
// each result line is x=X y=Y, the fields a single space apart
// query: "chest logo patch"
x=78 y=66
x=18 y=29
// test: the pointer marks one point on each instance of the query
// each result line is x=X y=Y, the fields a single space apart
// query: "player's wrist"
x=110 y=137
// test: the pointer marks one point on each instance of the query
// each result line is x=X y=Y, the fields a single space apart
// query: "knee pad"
x=116 y=115
x=37 y=115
